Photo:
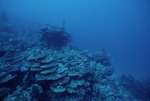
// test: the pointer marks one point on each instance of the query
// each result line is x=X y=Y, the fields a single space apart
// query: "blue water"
x=122 y=28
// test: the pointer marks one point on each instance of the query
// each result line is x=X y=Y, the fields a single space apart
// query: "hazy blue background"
x=122 y=27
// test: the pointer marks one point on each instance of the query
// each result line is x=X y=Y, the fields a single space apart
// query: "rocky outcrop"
x=55 y=37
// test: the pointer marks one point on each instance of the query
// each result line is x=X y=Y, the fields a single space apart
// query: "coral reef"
x=68 y=71
x=43 y=67
x=138 y=89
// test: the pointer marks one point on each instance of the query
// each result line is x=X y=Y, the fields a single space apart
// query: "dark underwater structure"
x=41 y=66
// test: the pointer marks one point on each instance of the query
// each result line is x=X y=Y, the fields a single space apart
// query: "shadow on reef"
x=43 y=67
